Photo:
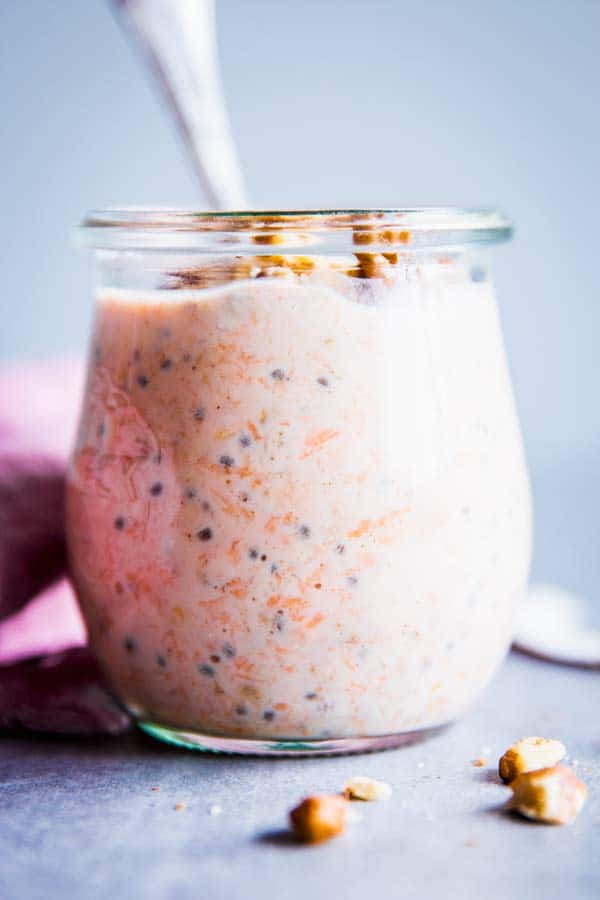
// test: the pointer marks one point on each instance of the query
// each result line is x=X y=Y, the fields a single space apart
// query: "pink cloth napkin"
x=49 y=680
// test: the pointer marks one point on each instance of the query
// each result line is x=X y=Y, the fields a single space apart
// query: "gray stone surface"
x=80 y=820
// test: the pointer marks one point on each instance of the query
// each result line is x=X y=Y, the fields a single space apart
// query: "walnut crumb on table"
x=529 y=754
x=553 y=795
x=319 y=818
x=362 y=788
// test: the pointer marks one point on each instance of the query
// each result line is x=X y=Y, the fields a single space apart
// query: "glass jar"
x=298 y=510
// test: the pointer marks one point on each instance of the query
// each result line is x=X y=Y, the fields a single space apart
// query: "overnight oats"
x=298 y=510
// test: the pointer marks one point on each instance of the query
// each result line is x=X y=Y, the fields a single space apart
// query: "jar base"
x=213 y=743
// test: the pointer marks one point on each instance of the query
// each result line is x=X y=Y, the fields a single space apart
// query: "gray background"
x=341 y=103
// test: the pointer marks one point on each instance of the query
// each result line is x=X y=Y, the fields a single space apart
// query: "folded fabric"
x=62 y=694
x=38 y=613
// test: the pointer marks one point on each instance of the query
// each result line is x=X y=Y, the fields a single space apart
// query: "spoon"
x=178 y=40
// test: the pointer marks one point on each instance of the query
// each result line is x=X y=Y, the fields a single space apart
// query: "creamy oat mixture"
x=298 y=505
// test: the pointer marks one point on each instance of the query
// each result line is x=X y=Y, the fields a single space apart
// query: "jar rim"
x=170 y=228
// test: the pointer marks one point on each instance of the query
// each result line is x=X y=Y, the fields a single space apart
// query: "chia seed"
x=119 y=523
x=129 y=644
x=206 y=506
x=207 y=670
x=241 y=710
x=273 y=568
x=278 y=374
x=227 y=461
x=304 y=531
x=341 y=548
x=245 y=440
x=228 y=650
x=190 y=493
x=253 y=553
x=166 y=364
x=156 y=489
x=311 y=696
x=205 y=534
x=161 y=661
x=353 y=580
x=143 y=380
x=199 y=413
x=268 y=715
x=280 y=620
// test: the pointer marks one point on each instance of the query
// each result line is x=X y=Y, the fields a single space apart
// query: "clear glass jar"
x=298 y=510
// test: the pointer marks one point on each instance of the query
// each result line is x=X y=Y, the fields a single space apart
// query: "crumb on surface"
x=553 y=795
x=319 y=818
x=360 y=787
x=529 y=754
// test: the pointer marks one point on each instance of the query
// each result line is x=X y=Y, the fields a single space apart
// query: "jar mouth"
x=180 y=229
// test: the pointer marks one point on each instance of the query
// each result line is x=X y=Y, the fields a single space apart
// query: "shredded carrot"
x=272 y=524
x=234 y=553
x=362 y=528
x=254 y=431
x=367 y=524
x=314 y=441
x=236 y=588
x=243 y=665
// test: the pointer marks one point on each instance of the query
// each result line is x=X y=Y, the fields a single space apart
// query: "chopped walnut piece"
x=553 y=795
x=394 y=237
x=359 y=787
x=364 y=236
x=368 y=235
x=370 y=265
x=227 y=269
x=528 y=754
x=392 y=258
x=301 y=264
x=269 y=238
x=319 y=818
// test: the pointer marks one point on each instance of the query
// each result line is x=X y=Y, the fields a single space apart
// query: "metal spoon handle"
x=178 y=39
